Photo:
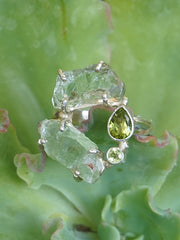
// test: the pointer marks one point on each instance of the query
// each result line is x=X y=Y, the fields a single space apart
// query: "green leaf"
x=145 y=54
x=146 y=164
x=65 y=231
x=24 y=211
x=137 y=218
x=38 y=37
x=107 y=232
x=168 y=195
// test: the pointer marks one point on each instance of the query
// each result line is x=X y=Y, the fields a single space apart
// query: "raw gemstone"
x=120 y=124
x=71 y=148
x=115 y=155
x=85 y=87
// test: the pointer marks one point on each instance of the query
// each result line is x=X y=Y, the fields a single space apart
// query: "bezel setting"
x=131 y=119
x=118 y=155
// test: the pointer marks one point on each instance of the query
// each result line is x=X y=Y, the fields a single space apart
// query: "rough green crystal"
x=115 y=155
x=87 y=86
x=72 y=149
x=120 y=124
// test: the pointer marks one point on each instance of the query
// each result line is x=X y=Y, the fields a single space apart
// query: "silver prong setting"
x=123 y=145
x=76 y=174
x=62 y=125
x=125 y=101
x=94 y=151
x=42 y=141
x=99 y=66
x=105 y=99
x=64 y=103
x=62 y=75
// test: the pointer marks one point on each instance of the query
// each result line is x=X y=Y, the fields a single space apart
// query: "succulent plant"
x=137 y=200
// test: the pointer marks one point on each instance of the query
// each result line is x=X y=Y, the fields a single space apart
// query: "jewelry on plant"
x=75 y=94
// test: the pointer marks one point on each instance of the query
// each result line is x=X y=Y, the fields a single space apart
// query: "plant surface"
x=135 y=201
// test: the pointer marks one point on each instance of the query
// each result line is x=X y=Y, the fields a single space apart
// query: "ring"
x=75 y=96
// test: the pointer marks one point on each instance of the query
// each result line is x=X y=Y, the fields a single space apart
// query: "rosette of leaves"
x=137 y=200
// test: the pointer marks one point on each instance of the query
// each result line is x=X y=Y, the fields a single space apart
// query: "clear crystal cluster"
x=72 y=149
x=86 y=87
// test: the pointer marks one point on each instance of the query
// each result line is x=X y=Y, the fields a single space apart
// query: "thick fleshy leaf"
x=65 y=231
x=168 y=195
x=24 y=211
x=135 y=216
x=146 y=164
x=107 y=231
x=145 y=54
x=38 y=37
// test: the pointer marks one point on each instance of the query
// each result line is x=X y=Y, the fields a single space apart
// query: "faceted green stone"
x=115 y=155
x=120 y=124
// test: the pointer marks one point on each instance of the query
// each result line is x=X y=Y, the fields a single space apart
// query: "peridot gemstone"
x=115 y=155
x=120 y=124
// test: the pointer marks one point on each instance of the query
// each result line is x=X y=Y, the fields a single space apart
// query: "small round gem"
x=115 y=155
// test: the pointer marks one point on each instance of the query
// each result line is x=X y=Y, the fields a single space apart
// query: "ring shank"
x=142 y=126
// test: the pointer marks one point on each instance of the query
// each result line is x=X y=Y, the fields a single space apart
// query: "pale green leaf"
x=136 y=217
x=145 y=54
